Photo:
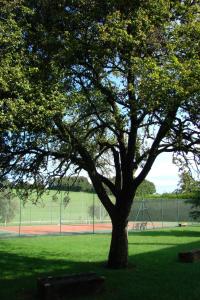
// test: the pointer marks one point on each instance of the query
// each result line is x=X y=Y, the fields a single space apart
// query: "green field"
x=47 y=211
x=154 y=272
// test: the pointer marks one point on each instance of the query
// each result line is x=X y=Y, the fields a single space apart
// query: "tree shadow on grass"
x=154 y=275
x=19 y=273
x=173 y=232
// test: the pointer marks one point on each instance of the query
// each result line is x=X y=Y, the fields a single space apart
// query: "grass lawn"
x=154 y=272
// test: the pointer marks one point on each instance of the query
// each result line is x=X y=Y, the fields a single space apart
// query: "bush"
x=66 y=201
x=8 y=205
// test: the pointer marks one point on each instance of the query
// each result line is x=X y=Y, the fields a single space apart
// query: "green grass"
x=154 y=272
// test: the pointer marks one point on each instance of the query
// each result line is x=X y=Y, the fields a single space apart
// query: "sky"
x=164 y=174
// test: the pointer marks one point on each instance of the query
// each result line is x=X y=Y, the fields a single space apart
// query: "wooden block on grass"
x=53 y=288
x=189 y=256
x=182 y=224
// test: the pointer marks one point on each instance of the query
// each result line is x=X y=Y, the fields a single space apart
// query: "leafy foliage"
x=92 y=77
x=55 y=198
x=8 y=205
x=146 y=188
x=66 y=201
x=188 y=184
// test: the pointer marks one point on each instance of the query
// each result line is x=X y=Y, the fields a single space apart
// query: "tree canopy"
x=191 y=187
x=187 y=184
x=146 y=188
x=103 y=86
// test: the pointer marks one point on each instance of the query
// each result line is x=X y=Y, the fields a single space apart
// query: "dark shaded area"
x=28 y=269
x=178 y=233
x=79 y=284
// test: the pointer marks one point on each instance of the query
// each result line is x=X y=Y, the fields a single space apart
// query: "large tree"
x=187 y=184
x=190 y=187
x=109 y=86
x=146 y=188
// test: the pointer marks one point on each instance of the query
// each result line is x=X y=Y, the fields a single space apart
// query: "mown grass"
x=154 y=271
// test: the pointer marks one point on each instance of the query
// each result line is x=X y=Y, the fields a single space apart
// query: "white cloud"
x=164 y=174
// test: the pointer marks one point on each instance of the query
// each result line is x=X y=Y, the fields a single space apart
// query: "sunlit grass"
x=154 y=271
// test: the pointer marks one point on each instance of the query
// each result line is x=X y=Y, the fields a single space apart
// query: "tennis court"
x=85 y=214
x=78 y=228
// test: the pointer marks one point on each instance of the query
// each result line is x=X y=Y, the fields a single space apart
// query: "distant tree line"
x=71 y=183
x=81 y=184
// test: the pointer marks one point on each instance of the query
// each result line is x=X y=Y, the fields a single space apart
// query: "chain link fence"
x=81 y=212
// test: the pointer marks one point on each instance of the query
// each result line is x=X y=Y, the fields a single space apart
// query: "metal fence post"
x=177 y=207
x=99 y=211
x=93 y=214
x=162 y=212
x=61 y=212
x=51 y=212
x=20 y=215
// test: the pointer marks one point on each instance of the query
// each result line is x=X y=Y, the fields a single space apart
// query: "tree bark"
x=118 y=255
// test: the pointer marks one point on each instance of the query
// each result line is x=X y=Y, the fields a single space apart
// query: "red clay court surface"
x=56 y=229
x=52 y=229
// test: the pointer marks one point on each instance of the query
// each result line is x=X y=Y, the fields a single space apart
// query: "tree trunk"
x=118 y=255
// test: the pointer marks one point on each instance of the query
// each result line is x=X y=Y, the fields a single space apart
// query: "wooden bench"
x=189 y=256
x=53 y=288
